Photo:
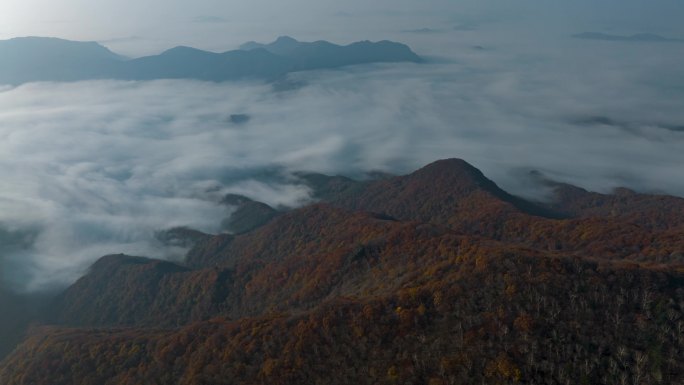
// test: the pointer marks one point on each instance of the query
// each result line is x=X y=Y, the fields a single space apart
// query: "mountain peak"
x=449 y=192
x=185 y=50
x=454 y=172
x=284 y=45
x=451 y=166
x=286 y=39
x=47 y=40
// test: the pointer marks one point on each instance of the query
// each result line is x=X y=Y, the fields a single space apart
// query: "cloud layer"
x=94 y=168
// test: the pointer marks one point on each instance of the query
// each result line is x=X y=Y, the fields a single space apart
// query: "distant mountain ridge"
x=282 y=45
x=32 y=59
x=639 y=37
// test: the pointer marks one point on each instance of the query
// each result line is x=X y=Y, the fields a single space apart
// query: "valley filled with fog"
x=98 y=167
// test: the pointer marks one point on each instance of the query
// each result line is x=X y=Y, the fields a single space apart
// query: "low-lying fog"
x=94 y=168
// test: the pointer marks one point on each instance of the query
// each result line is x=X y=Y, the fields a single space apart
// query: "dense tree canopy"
x=438 y=277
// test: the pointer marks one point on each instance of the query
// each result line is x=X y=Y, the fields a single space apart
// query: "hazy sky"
x=148 y=26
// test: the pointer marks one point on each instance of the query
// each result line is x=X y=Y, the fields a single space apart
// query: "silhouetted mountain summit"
x=441 y=192
x=282 y=46
x=456 y=172
x=248 y=214
x=323 y=54
x=49 y=59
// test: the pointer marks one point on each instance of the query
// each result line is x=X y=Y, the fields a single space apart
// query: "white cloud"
x=98 y=167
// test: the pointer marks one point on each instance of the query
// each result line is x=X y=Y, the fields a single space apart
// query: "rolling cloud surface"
x=94 y=168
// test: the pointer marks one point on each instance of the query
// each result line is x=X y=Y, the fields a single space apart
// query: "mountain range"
x=639 y=37
x=33 y=59
x=436 y=277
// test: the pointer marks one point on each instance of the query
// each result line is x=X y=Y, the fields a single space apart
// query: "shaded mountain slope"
x=248 y=214
x=191 y=63
x=328 y=188
x=122 y=290
x=454 y=194
x=438 y=192
x=659 y=212
x=14 y=320
x=296 y=261
x=48 y=59
x=307 y=255
x=245 y=276
x=313 y=229
x=489 y=319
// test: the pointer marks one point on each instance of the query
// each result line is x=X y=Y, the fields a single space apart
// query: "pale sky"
x=146 y=26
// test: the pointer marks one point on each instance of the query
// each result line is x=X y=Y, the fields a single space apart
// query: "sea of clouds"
x=94 y=168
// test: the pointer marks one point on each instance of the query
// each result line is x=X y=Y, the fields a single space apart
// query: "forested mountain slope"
x=437 y=277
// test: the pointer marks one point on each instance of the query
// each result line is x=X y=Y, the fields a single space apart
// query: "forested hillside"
x=437 y=277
